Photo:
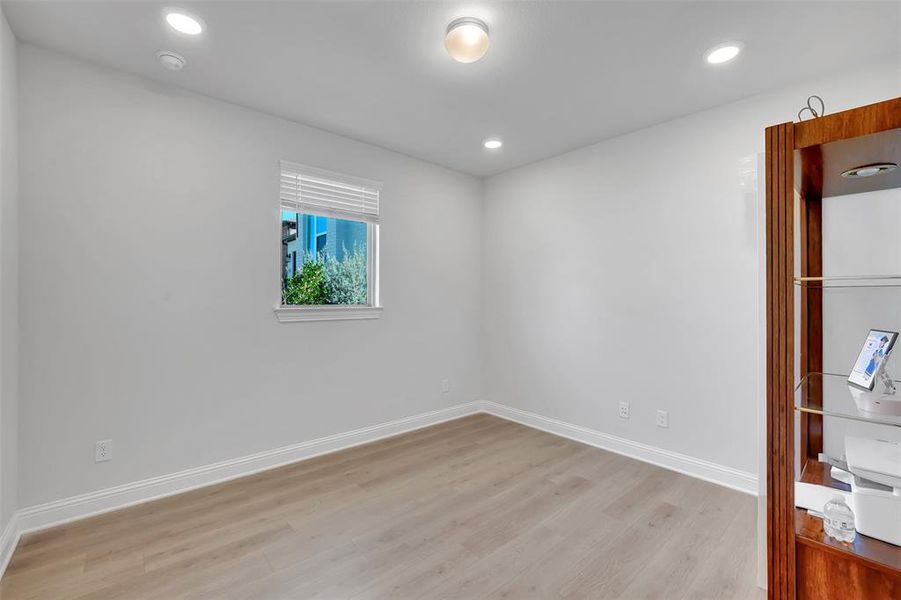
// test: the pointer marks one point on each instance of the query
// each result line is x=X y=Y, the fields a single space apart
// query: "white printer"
x=873 y=470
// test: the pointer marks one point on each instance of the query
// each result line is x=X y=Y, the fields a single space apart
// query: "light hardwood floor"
x=473 y=508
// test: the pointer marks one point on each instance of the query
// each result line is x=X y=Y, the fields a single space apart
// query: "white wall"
x=149 y=270
x=628 y=270
x=9 y=291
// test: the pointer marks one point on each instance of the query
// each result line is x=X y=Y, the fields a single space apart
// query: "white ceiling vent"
x=171 y=60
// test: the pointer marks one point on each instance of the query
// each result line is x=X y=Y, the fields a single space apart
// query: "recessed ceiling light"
x=183 y=23
x=171 y=60
x=466 y=39
x=492 y=143
x=723 y=53
x=869 y=170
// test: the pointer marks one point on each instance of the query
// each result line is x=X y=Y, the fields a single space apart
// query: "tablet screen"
x=875 y=351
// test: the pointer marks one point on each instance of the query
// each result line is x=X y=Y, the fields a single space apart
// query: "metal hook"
x=809 y=108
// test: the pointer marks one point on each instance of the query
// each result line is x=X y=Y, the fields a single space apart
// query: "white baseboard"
x=8 y=540
x=688 y=465
x=74 y=508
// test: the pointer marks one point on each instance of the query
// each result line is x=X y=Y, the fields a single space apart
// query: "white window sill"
x=294 y=314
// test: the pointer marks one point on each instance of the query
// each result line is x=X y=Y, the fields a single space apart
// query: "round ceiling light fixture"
x=492 y=143
x=869 y=170
x=184 y=23
x=723 y=53
x=466 y=39
x=171 y=60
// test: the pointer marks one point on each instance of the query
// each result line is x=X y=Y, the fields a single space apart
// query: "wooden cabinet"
x=803 y=161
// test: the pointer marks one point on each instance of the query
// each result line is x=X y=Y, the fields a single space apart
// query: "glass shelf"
x=831 y=395
x=850 y=281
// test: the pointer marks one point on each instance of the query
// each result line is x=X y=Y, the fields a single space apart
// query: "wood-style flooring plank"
x=478 y=507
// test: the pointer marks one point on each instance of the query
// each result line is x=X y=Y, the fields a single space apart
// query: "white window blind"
x=317 y=191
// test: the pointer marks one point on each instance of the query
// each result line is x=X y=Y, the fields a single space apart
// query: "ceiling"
x=558 y=75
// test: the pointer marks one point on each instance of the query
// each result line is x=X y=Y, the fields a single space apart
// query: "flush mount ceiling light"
x=492 y=143
x=183 y=23
x=171 y=60
x=466 y=39
x=869 y=170
x=723 y=53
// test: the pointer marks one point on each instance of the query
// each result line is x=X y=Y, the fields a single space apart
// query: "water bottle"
x=838 y=520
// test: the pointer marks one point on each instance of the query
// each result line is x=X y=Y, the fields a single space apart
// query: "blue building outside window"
x=339 y=246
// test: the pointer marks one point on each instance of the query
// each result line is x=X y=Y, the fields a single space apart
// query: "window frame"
x=292 y=313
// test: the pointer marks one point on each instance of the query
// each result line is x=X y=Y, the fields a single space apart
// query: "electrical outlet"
x=624 y=410
x=445 y=386
x=662 y=418
x=103 y=450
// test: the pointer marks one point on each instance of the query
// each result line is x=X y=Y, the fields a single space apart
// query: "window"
x=329 y=245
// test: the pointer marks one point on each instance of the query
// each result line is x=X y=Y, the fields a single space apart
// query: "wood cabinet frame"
x=798 y=565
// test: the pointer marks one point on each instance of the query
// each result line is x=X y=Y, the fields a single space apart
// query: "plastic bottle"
x=838 y=520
